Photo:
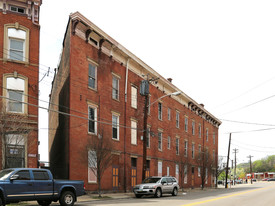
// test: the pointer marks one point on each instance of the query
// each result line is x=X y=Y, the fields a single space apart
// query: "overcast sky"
x=220 y=53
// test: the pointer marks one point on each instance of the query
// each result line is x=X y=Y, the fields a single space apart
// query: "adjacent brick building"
x=19 y=73
x=96 y=94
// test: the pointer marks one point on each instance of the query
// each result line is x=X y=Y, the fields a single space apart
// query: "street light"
x=145 y=132
x=174 y=93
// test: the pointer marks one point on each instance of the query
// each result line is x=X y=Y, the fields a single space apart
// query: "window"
x=15 y=151
x=134 y=97
x=206 y=175
x=185 y=174
x=168 y=171
x=23 y=175
x=41 y=175
x=193 y=150
x=177 y=171
x=160 y=111
x=169 y=114
x=92 y=119
x=16 y=42
x=133 y=132
x=15 y=94
x=199 y=130
x=207 y=134
x=92 y=166
x=148 y=137
x=199 y=171
x=149 y=102
x=160 y=141
x=214 y=138
x=115 y=126
x=168 y=142
x=193 y=128
x=185 y=148
x=213 y=156
x=17 y=9
x=92 y=76
x=186 y=124
x=160 y=168
x=177 y=146
x=115 y=86
x=177 y=119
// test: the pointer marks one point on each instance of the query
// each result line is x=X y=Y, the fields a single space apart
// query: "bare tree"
x=205 y=163
x=99 y=157
x=15 y=131
x=183 y=162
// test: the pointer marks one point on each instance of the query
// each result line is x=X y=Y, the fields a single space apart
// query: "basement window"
x=94 y=41
x=17 y=9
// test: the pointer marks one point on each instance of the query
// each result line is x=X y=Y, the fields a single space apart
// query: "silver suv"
x=157 y=186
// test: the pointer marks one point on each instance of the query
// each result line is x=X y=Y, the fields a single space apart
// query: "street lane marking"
x=227 y=196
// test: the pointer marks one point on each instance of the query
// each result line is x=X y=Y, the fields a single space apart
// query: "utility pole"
x=226 y=173
x=235 y=151
x=250 y=168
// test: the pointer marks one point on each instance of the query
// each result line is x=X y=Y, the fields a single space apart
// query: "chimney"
x=170 y=79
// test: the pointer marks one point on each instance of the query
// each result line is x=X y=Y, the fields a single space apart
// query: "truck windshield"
x=151 y=180
x=5 y=173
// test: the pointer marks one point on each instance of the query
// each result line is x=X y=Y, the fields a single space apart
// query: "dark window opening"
x=94 y=41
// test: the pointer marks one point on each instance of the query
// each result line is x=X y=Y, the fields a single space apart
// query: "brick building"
x=19 y=73
x=96 y=94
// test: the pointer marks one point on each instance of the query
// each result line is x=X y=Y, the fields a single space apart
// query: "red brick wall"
x=31 y=71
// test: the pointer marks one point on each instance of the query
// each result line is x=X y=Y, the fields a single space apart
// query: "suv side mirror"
x=14 y=177
x=163 y=182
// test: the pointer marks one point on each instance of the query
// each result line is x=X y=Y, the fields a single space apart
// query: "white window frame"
x=207 y=135
x=177 y=119
x=16 y=28
x=177 y=171
x=199 y=130
x=134 y=97
x=115 y=91
x=193 y=127
x=193 y=150
x=92 y=163
x=169 y=113
x=148 y=136
x=90 y=106
x=185 y=148
x=168 y=142
x=177 y=145
x=159 y=168
x=214 y=138
x=133 y=132
x=199 y=171
x=159 y=110
x=92 y=65
x=168 y=171
x=160 y=140
x=116 y=126
x=185 y=174
x=186 y=124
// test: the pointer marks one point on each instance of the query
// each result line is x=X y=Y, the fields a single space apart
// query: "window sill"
x=93 y=89
x=117 y=140
x=117 y=100
x=15 y=61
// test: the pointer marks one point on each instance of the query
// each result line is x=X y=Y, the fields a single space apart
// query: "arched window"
x=15 y=89
x=16 y=43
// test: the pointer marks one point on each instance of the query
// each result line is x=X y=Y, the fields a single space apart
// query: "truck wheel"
x=44 y=202
x=67 y=198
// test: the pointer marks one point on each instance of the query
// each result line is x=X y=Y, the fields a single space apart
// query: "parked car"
x=220 y=182
x=157 y=186
x=27 y=184
x=271 y=179
x=265 y=179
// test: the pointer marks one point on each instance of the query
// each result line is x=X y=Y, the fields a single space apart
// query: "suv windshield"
x=151 y=180
x=5 y=173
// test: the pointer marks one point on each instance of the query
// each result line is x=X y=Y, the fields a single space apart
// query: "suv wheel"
x=175 y=191
x=158 y=193
x=138 y=196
